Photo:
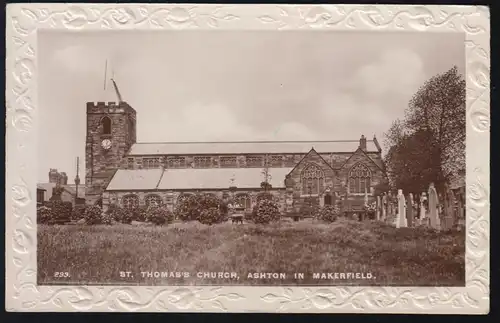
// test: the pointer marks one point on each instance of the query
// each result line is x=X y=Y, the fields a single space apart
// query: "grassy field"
x=101 y=254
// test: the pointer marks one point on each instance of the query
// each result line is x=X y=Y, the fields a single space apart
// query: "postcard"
x=247 y=158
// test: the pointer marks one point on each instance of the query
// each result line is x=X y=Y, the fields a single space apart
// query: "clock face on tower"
x=106 y=144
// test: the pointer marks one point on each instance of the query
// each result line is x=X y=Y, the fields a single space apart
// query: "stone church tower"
x=111 y=131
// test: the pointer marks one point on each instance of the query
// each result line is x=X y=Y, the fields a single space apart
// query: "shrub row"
x=206 y=209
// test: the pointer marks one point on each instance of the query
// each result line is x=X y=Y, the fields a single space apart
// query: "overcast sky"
x=225 y=85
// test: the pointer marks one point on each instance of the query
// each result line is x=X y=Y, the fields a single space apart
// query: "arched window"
x=244 y=200
x=359 y=179
x=106 y=125
x=130 y=201
x=313 y=180
x=153 y=200
x=183 y=196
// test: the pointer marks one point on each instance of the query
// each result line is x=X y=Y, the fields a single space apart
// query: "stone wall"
x=170 y=198
x=101 y=164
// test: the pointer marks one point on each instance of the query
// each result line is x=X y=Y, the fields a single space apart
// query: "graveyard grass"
x=405 y=256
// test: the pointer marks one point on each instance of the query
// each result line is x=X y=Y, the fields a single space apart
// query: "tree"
x=438 y=107
x=429 y=144
x=265 y=185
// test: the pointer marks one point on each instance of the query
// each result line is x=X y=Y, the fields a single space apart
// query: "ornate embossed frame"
x=22 y=292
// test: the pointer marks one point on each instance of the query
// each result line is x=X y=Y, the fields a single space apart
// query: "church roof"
x=135 y=179
x=220 y=178
x=248 y=147
x=213 y=178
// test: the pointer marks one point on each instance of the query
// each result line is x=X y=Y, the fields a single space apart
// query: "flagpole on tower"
x=105 y=73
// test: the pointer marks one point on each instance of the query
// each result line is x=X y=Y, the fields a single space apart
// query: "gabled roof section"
x=220 y=178
x=311 y=151
x=364 y=153
x=135 y=179
x=247 y=147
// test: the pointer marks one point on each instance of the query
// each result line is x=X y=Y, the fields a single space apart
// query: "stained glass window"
x=312 y=179
x=130 y=201
x=244 y=200
x=151 y=163
x=203 y=162
x=228 y=162
x=153 y=200
x=254 y=161
x=359 y=179
x=176 y=162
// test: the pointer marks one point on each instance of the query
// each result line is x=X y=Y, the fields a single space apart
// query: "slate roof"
x=248 y=147
x=169 y=179
x=220 y=178
x=135 y=179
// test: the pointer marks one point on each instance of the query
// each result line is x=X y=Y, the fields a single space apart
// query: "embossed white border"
x=22 y=293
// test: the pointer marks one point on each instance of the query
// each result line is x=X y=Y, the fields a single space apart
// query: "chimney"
x=375 y=141
x=64 y=178
x=53 y=176
x=362 y=143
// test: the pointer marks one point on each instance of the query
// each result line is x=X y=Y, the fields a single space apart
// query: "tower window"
x=106 y=126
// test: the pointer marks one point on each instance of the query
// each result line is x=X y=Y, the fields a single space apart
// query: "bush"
x=266 y=211
x=190 y=208
x=93 y=215
x=120 y=214
x=43 y=215
x=211 y=216
x=139 y=213
x=328 y=213
x=78 y=212
x=159 y=215
x=61 y=211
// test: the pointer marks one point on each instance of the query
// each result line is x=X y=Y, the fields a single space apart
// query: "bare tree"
x=265 y=185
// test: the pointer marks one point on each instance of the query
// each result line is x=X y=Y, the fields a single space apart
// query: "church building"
x=120 y=170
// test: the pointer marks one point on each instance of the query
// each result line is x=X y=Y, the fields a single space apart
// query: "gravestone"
x=449 y=211
x=433 y=207
x=378 y=208
x=401 y=217
x=384 y=207
x=409 y=210
x=423 y=198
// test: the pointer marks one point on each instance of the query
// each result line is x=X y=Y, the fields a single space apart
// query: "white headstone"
x=384 y=202
x=401 y=217
x=422 y=205
x=378 y=208
x=433 y=207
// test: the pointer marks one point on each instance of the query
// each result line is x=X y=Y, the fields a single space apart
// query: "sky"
x=233 y=85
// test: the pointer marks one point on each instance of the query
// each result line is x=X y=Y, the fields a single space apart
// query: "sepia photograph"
x=274 y=158
x=247 y=158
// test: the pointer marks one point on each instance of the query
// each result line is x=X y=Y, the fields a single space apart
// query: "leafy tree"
x=428 y=145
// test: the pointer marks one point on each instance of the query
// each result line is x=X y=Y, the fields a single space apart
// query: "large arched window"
x=130 y=201
x=183 y=196
x=312 y=179
x=244 y=200
x=153 y=200
x=359 y=179
x=106 y=125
